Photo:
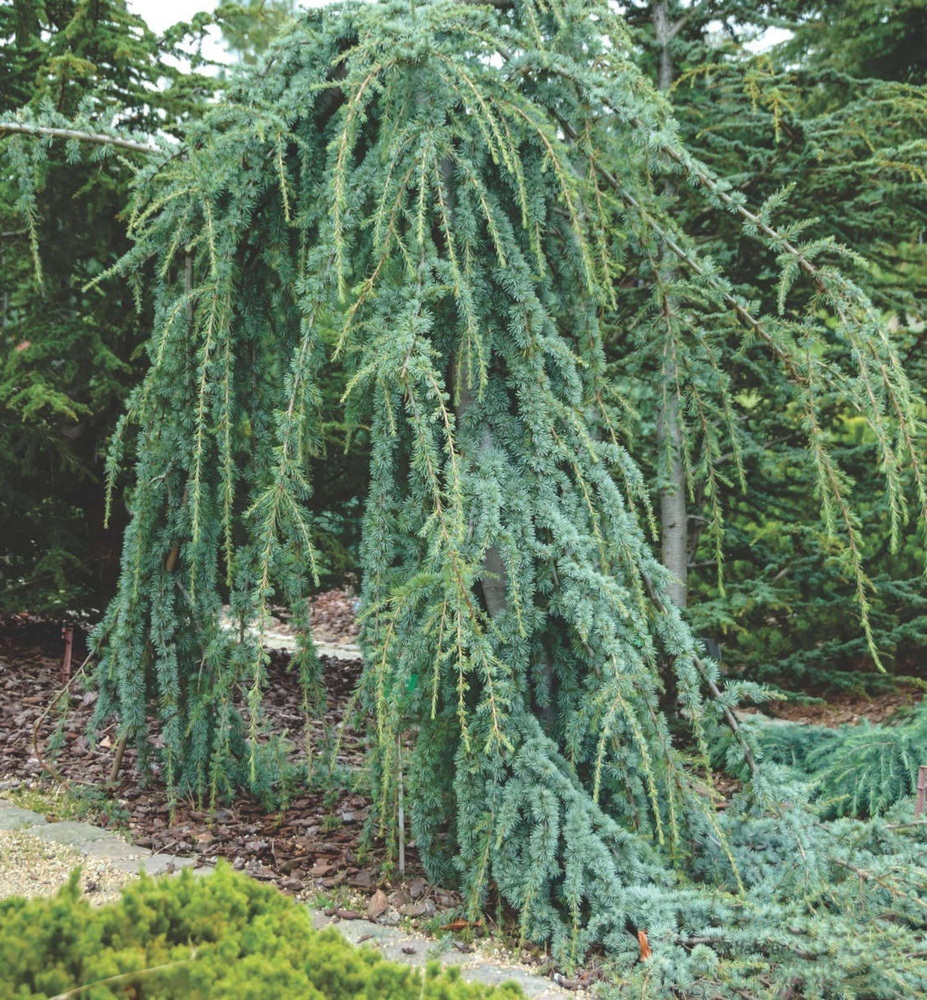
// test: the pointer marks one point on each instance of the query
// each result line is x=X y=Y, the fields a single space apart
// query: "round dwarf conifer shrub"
x=187 y=938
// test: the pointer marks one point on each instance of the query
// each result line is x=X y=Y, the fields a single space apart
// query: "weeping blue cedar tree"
x=460 y=189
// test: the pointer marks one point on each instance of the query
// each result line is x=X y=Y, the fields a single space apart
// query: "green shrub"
x=217 y=937
x=857 y=770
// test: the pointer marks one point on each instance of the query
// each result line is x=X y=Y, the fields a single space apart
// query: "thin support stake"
x=68 y=635
x=921 y=790
x=402 y=812
x=117 y=762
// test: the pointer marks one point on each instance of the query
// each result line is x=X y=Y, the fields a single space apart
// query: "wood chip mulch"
x=315 y=843
x=848 y=709
x=312 y=845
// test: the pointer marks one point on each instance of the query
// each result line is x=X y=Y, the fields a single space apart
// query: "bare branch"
x=98 y=138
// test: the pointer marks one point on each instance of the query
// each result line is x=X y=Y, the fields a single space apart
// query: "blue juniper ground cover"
x=448 y=201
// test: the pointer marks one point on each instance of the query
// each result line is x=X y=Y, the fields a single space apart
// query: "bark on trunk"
x=673 y=514
x=494 y=582
x=674 y=520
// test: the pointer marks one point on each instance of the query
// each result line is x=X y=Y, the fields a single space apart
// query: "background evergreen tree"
x=69 y=354
x=248 y=29
x=848 y=151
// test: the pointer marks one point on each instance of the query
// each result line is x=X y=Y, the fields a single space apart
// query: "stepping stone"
x=111 y=848
x=320 y=919
x=14 y=818
x=415 y=951
x=411 y=951
x=395 y=944
x=73 y=834
x=337 y=650
x=354 y=930
x=495 y=975
x=154 y=864
x=765 y=720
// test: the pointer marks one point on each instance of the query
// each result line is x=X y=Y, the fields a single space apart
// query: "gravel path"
x=31 y=866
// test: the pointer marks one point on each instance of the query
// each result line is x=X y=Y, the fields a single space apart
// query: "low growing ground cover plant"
x=225 y=936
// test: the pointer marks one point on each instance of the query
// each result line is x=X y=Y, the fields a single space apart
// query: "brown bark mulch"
x=314 y=844
x=848 y=709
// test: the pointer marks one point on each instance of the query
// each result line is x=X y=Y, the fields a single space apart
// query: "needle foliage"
x=458 y=190
x=831 y=121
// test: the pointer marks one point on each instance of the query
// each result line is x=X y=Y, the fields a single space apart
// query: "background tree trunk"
x=673 y=513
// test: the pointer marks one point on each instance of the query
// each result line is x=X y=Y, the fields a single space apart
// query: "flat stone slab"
x=764 y=720
x=110 y=848
x=283 y=639
x=397 y=945
x=14 y=818
x=154 y=864
x=167 y=864
x=338 y=650
x=495 y=975
x=367 y=932
x=415 y=951
x=74 y=834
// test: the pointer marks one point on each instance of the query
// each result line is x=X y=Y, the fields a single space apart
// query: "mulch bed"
x=316 y=843
x=313 y=845
x=848 y=709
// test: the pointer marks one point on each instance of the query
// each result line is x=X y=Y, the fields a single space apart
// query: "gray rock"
x=423 y=908
x=112 y=849
x=76 y=835
x=320 y=920
x=356 y=930
x=153 y=864
x=410 y=951
x=14 y=818
x=495 y=975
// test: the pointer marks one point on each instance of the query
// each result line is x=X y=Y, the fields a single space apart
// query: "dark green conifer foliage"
x=459 y=188
x=188 y=938
x=844 y=153
x=68 y=353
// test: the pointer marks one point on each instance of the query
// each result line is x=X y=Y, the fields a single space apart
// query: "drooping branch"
x=97 y=138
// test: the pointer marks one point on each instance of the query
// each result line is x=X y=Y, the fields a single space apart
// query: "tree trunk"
x=673 y=513
x=494 y=582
